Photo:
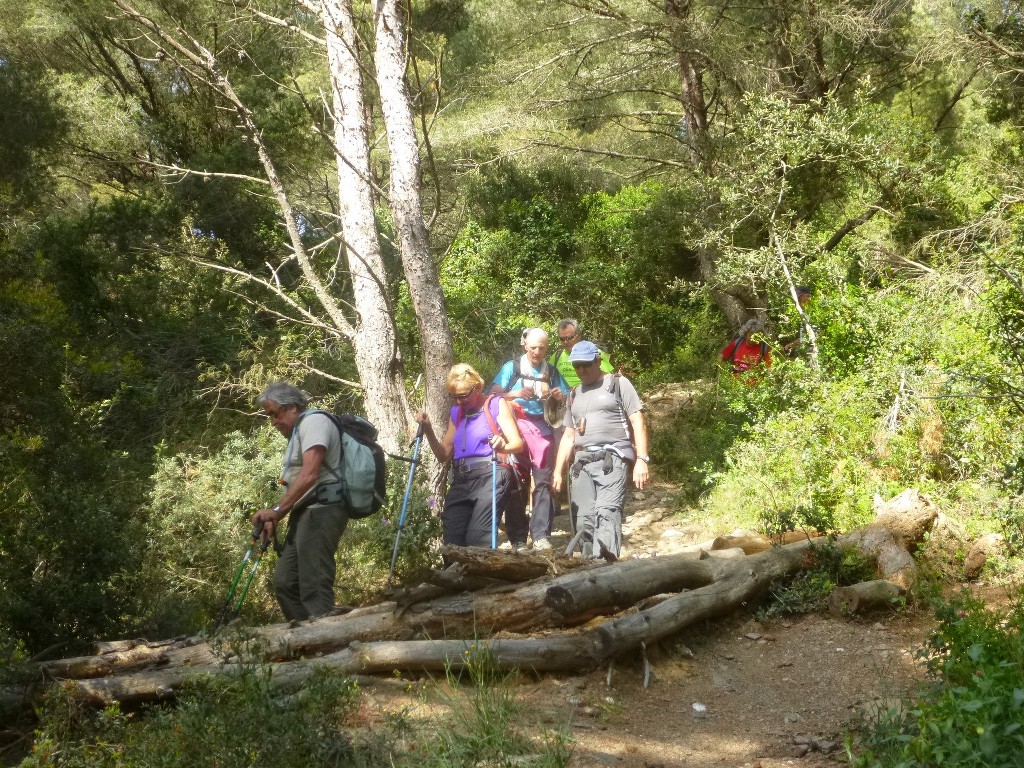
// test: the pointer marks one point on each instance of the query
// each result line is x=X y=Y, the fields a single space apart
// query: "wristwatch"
x=276 y=509
x=644 y=459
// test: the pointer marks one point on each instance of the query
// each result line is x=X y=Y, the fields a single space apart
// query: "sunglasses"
x=583 y=365
x=461 y=397
x=567 y=338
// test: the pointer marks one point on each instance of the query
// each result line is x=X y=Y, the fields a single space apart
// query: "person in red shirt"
x=743 y=353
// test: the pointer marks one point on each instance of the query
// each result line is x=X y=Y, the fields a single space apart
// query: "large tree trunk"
x=406 y=206
x=375 y=346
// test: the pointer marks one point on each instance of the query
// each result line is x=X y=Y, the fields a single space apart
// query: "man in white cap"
x=604 y=425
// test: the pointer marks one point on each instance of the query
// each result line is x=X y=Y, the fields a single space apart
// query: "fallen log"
x=730 y=586
x=675 y=591
x=482 y=613
x=511 y=566
x=752 y=543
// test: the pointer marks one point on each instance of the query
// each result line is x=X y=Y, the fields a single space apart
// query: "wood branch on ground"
x=539 y=612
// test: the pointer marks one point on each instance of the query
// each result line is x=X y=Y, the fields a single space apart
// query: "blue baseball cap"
x=584 y=352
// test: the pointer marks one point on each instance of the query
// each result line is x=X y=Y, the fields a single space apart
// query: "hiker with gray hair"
x=304 y=575
x=743 y=352
x=568 y=335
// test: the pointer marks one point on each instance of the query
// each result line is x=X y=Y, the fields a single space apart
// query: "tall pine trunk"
x=406 y=205
x=376 y=350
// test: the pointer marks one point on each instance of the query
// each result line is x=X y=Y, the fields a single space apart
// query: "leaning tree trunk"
x=375 y=345
x=406 y=206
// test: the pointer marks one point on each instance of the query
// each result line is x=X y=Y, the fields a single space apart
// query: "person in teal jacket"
x=568 y=335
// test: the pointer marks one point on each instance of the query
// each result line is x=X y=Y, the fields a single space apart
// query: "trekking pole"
x=494 y=499
x=222 y=615
x=252 y=575
x=405 y=500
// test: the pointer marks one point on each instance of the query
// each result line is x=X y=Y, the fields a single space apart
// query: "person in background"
x=527 y=382
x=304 y=575
x=743 y=352
x=469 y=441
x=604 y=426
x=568 y=335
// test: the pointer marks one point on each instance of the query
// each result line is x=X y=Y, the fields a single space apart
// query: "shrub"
x=809 y=590
x=232 y=722
x=971 y=712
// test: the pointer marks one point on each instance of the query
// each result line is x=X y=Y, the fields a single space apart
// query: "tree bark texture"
x=375 y=345
x=406 y=205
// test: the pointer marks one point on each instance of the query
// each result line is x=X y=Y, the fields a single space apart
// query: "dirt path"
x=734 y=692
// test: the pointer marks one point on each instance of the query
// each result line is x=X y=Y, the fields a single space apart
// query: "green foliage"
x=548 y=245
x=971 y=711
x=364 y=557
x=198 y=529
x=809 y=590
x=234 y=722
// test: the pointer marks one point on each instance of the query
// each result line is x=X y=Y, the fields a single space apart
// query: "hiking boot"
x=518 y=546
x=542 y=544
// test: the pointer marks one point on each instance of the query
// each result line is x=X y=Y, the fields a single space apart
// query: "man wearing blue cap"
x=604 y=425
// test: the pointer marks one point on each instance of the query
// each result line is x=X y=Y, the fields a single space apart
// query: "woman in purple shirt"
x=469 y=442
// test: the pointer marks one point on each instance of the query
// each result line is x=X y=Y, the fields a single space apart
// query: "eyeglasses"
x=461 y=397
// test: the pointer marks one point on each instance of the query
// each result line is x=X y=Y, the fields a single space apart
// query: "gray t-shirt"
x=604 y=422
x=314 y=428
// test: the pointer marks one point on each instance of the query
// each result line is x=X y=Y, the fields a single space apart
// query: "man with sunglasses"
x=568 y=335
x=605 y=430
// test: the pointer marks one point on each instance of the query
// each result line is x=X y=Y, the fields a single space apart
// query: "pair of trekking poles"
x=413 y=463
x=252 y=558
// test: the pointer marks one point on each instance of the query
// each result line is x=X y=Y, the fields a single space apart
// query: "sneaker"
x=518 y=546
x=542 y=544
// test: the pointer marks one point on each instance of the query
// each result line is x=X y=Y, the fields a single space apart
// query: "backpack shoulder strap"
x=336 y=472
x=491 y=421
x=735 y=348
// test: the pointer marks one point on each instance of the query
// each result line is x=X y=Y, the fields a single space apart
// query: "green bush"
x=199 y=529
x=971 y=712
x=231 y=722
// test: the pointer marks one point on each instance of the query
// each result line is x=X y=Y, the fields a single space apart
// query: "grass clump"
x=971 y=712
x=481 y=726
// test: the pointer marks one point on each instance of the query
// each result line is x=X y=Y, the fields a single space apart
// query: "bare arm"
x=444 y=448
x=309 y=473
x=641 y=474
x=565 y=447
